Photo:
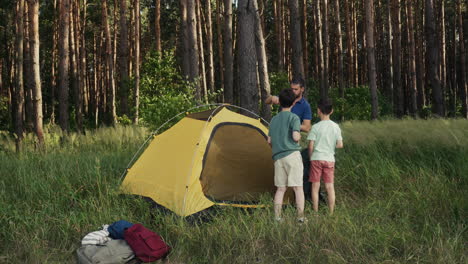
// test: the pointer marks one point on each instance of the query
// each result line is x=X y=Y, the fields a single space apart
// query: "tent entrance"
x=237 y=164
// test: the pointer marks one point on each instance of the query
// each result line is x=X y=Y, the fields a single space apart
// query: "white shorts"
x=289 y=170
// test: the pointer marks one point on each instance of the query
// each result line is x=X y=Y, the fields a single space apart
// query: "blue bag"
x=117 y=229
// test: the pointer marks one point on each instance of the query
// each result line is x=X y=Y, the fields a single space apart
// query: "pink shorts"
x=319 y=168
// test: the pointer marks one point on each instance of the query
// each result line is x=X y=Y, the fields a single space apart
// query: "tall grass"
x=401 y=198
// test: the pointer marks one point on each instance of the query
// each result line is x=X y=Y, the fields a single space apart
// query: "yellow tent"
x=207 y=157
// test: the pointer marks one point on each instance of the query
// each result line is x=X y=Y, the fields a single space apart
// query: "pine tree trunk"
x=74 y=67
x=340 y=49
x=323 y=85
x=396 y=59
x=371 y=57
x=53 y=66
x=316 y=64
x=433 y=60
x=420 y=69
x=123 y=56
x=137 y=60
x=220 y=49
x=262 y=61
x=443 y=63
x=93 y=89
x=83 y=68
x=228 y=54
x=209 y=40
x=349 y=44
x=201 y=53
x=280 y=34
x=34 y=46
x=412 y=60
x=193 y=48
x=296 y=40
x=157 y=27
x=64 y=64
x=185 y=41
x=452 y=67
x=109 y=65
x=304 y=38
x=27 y=75
x=19 y=75
x=462 y=80
x=247 y=56
x=355 y=43
x=326 y=44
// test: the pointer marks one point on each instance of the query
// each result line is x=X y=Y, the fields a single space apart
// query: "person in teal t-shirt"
x=283 y=136
x=324 y=137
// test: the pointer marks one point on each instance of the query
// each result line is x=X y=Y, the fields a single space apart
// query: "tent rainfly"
x=205 y=158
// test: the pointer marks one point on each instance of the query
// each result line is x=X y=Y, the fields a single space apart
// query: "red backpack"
x=147 y=245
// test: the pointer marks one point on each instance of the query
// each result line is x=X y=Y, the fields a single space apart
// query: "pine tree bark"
x=201 y=53
x=33 y=8
x=280 y=34
x=296 y=40
x=396 y=59
x=228 y=55
x=193 y=48
x=420 y=69
x=64 y=64
x=323 y=83
x=262 y=61
x=209 y=40
x=433 y=60
x=109 y=65
x=19 y=75
x=93 y=88
x=74 y=67
x=412 y=60
x=371 y=57
x=340 y=49
x=157 y=27
x=185 y=42
x=53 y=66
x=123 y=56
x=247 y=56
x=440 y=27
x=349 y=44
x=136 y=8
x=305 y=49
x=27 y=75
x=326 y=45
x=83 y=68
x=462 y=80
x=220 y=49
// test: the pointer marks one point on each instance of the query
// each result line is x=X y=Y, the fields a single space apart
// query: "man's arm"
x=272 y=99
x=339 y=144
x=269 y=140
x=296 y=136
x=305 y=126
x=311 y=147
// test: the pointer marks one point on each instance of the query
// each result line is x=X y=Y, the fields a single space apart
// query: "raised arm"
x=272 y=100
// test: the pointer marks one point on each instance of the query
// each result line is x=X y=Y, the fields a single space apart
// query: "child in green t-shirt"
x=283 y=136
x=324 y=137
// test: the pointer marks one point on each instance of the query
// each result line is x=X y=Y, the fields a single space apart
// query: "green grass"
x=401 y=198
